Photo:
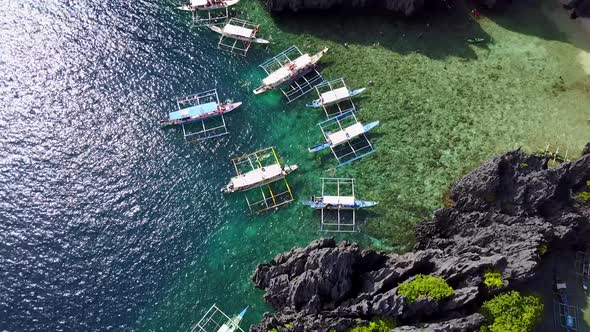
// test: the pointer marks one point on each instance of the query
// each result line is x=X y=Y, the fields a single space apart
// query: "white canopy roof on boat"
x=284 y=72
x=347 y=134
x=337 y=200
x=256 y=176
x=561 y=285
x=196 y=3
x=237 y=31
x=335 y=95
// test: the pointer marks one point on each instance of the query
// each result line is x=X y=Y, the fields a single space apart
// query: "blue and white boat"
x=334 y=96
x=198 y=113
x=338 y=202
x=234 y=323
x=343 y=136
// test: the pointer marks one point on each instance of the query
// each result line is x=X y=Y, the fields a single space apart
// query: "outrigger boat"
x=234 y=323
x=334 y=96
x=207 y=5
x=258 y=177
x=240 y=33
x=338 y=195
x=338 y=202
x=290 y=71
x=344 y=135
x=216 y=320
x=198 y=113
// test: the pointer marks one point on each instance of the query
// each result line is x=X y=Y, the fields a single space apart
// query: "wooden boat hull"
x=294 y=74
x=326 y=145
x=207 y=7
x=318 y=102
x=286 y=171
x=242 y=38
x=358 y=204
x=222 y=109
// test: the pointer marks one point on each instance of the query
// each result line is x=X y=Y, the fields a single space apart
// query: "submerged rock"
x=504 y=212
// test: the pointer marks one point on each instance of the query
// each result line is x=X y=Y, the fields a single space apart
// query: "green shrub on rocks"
x=493 y=279
x=377 y=325
x=432 y=287
x=542 y=250
x=584 y=195
x=511 y=312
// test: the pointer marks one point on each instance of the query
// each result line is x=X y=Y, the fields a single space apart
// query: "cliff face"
x=504 y=212
x=407 y=7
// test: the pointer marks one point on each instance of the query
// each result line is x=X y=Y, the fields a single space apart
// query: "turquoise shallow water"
x=109 y=222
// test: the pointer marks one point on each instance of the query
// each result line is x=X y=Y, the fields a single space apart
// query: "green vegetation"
x=493 y=279
x=512 y=312
x=584 y=195
x=377 y=325
x=542 y=249
x=437 y=99
x=288 y=325
x=425 y=286
x=524 y=165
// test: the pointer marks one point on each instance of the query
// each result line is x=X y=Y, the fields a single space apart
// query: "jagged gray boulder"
x=503 y=212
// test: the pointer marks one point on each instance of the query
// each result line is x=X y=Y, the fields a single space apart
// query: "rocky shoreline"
x=501 y=216
x=405 y=7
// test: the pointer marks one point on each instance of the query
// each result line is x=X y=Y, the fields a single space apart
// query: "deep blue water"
x=100 y=209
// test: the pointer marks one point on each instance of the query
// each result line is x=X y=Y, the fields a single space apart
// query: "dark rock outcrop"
x=578 y=7
x=407 y=7
x=504 y=212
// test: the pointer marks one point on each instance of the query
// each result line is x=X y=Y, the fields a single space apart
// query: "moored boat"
x=258 y=177
x=240 y=33
x=338 y=202
x=234 y=323
x=290 y=71
x=335 y=96
x=198 y=112
x=207 y=4
x=345 y=135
